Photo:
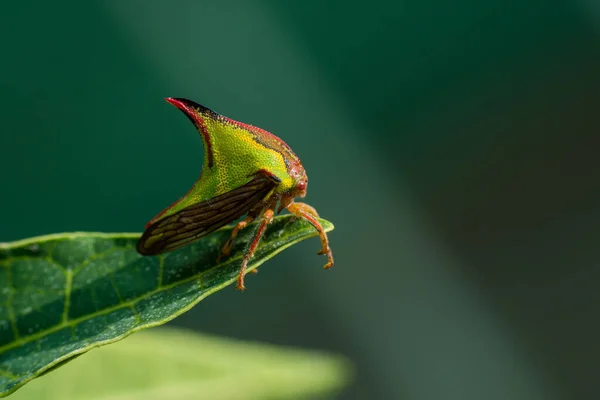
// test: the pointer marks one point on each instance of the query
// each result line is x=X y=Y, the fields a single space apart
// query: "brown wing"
x=198 y=220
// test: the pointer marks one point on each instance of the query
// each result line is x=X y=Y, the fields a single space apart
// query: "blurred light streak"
x=591 y=11
x=424 y=332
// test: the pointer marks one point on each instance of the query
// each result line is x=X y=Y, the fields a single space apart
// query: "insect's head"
x=297 y=190
x=298 y=174
x=301 y=185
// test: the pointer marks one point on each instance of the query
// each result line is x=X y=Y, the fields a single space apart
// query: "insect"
x=246 y=171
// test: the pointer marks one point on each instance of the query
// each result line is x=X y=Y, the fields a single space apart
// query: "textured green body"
x=246 y=171
x=233 y=153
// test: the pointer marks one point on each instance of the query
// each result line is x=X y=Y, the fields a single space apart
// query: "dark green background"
x=455 y=147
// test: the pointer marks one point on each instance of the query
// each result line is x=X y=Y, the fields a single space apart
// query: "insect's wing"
x=198 y=220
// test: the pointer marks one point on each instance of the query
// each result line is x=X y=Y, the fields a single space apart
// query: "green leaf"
x=179 y=365
x=62 y=295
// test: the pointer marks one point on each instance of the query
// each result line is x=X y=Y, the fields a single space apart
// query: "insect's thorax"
x=238 y=153
x=234 y=153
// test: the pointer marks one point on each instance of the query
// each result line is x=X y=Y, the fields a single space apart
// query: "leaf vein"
x=7 y=374
x=9 y=307
x=68 y=288
x=123 y=304
x=97 y=256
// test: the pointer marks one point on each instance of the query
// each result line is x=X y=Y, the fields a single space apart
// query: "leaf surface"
x=62 y=295
x=176 y=364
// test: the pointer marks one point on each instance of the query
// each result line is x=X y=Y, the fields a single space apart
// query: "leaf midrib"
x=133 y=302
x=123 y=304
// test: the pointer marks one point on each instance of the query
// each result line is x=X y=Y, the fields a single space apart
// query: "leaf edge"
x=327 y=227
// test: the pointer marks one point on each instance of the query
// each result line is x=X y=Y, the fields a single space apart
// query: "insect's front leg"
x=308 y=213
x=266 y=219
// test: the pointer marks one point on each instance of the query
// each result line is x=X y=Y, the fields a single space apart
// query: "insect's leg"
x=308 y=213
x=229 y=244
x=266 y=219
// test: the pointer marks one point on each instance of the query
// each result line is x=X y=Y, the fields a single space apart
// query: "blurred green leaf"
x=62 y=295
x=175 y=364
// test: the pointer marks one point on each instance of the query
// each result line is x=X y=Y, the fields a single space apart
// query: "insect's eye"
x=301 y=184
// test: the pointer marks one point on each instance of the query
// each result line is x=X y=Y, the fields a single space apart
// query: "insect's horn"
x=191 y=109
x=198 y=114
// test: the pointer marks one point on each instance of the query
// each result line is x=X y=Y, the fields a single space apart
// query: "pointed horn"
x=197 y=114
x=191 y=108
